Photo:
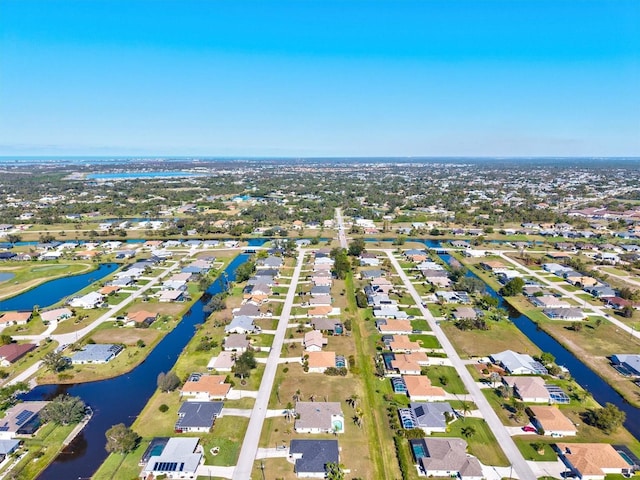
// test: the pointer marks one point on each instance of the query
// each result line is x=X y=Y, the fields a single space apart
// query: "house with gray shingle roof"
x=312 y=456
x=319 y=417
x=446 y=457
x=197 y=416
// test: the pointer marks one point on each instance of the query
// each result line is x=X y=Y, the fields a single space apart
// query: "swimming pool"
x=418 y=449
x=388 y=357
x=625 y=457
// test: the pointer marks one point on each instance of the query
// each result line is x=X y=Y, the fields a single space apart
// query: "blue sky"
x=328 y=78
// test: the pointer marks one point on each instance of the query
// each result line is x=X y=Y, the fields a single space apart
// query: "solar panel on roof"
x=23 y=416
x=420 y=411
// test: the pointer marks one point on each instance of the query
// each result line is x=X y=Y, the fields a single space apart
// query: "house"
x=179 y=458
x=205 y=387
x=21 y=419
x=394 y=327
x=518 y=363
x=88 y=301
x=7 y=447
x=236 y=342
x=319 y=417
x=618 y=303
x=430 y=417
x=248 y=310
x=419 y=388
x=56 y=315
x=320 y=290
x=142 y=317
x=171 y=296
x=465 y=313
x=243 y=325
x=494 y=266
x=555 y=268
x=592 y=461
x=564 y=313
x=410 y=363
x=171 y=284
x=601 y=291
x=550 y=420
x=445 y=457
x=529 y=389
x=629 y=363
x=197 y=416
x=96 y=353
x=401 y=343
x=320 y=301
x=369 y=260
x=15 y=318
x=314 y=341
x=318 y=362
x=312 y=456
x=224 y=362
x=324 y=324
x=549 y=301
x=271 y=262
x=12 y=352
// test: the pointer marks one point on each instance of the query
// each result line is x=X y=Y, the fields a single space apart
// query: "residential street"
x=520 y=467
x=249 y=450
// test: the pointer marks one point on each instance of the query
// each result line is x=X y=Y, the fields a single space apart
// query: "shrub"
x=163 y=408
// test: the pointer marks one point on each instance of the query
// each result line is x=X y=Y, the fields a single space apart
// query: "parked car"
x=529 y=428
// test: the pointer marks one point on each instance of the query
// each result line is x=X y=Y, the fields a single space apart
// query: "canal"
x=602 y=392
x=53 y=291
x=121 y=399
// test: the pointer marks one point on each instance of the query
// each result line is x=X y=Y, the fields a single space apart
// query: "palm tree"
x=353 y=400
x=465 y=407
x=288 y=412
x=296 y=396
x=468 y=431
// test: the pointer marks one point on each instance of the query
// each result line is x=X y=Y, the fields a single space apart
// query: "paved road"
x=342 y=236
x=249 y=449
x=599 y=310
x=520 y=466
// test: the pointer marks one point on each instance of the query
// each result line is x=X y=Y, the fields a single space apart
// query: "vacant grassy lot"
x=425 y=341
x=126 y=335
x=447 y=378
x=503 y=335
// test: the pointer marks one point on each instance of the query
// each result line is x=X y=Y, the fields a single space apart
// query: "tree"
x=63 y=410
x=471 y=285
x=13 y=238
x=334 y=471
x=468 y=431
x=5 y=339
x=341 y=265
x=547 y=358
x=513 y=287
x=245 y=271
x=121 y=439
x=576 y=326
x=244 y=364
x=216 y=303
x=204 y=283
x=167 y=382
x=356 y=247
x=608 y=418
x=55 y=362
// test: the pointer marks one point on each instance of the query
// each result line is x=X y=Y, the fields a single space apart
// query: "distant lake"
x=135 y=175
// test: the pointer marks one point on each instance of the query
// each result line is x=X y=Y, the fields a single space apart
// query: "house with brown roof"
x=550 y=420
x=320 y=311
x=314 y=341
x=419 y=389
x=224 y=362
x=109 y=289
x=394 y=327
x=15 y=318
x=409 y=363
x=494 y=266
x=528 y=389
x=13 y=352
x=56 y=314
x=205 y=387
x=464 y=313
x=318 y=362
x=592 y=461
x=401 y=343
x=142 y=317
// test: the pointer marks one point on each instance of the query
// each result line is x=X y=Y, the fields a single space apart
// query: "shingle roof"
x=316 y=454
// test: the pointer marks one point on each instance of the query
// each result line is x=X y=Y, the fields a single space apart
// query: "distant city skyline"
x=320 y=78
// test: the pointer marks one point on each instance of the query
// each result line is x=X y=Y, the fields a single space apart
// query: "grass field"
x=503 y=335
x=27 y=276
x=447 y=378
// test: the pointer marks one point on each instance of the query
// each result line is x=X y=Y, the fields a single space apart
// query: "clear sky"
x=328 y=78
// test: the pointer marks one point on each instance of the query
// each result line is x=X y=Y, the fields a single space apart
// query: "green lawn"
x=426 y=341
x=421 y=325
x=447 y=378
x=525 y=445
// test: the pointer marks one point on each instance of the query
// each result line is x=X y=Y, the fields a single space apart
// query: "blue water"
x=136 y=175
x=602 y=392
x=120 y=399
x=55 y=290
x=6 y=276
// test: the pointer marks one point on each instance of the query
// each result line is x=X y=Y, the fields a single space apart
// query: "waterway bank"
x=574 y=341
x=599 y=388
x=121 y=399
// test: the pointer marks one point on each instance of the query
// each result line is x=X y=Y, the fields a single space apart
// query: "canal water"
x=55 y=290
x=602 y=392
x=121 y=399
